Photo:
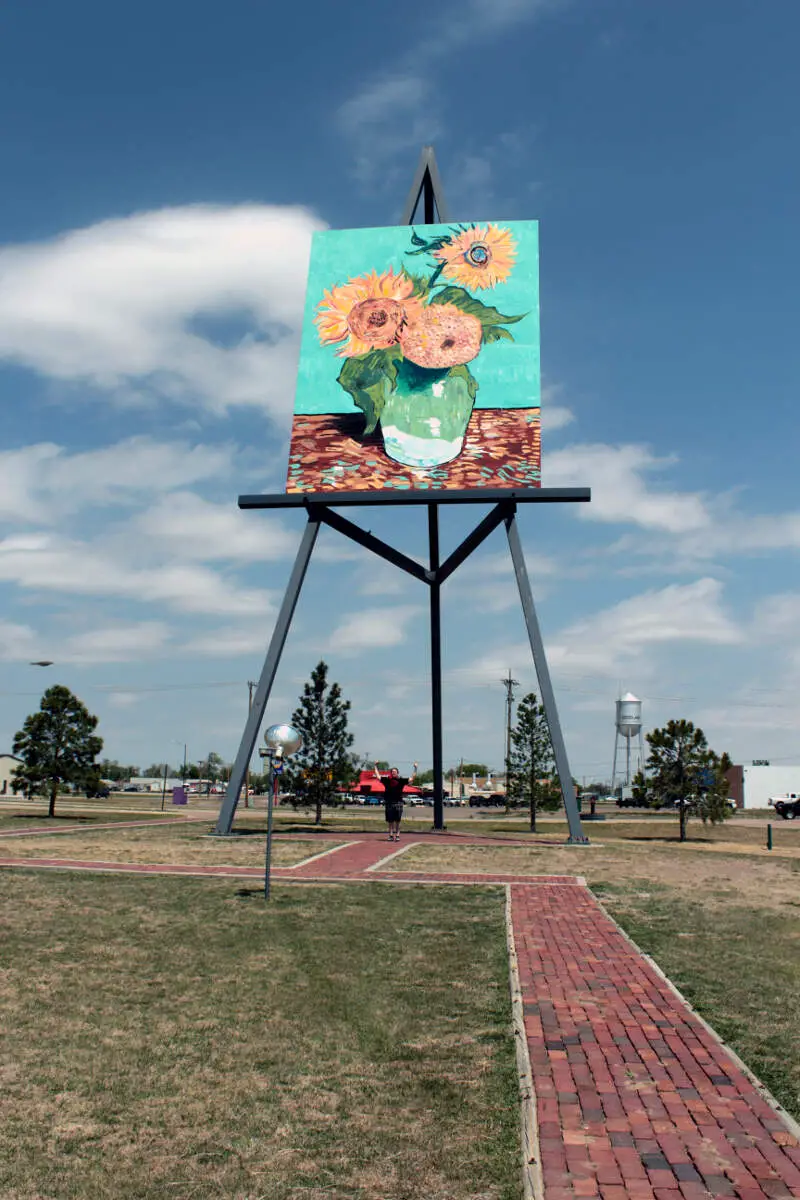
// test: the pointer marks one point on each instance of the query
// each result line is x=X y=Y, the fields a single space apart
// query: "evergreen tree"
x=57 y=746
x=684 y=772
x=323 y=760
x=532 y=763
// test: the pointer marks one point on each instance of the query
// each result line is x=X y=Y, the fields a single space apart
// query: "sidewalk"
x=635 y=1097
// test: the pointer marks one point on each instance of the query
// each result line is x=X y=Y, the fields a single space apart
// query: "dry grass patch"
x=187 y=844
x=770 y=881
x=175 y=1037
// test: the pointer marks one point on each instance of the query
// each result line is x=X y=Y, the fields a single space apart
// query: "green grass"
x=738 y=965
x=181 y=1038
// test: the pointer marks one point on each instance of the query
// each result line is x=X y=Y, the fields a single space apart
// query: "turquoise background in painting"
x=508 y=373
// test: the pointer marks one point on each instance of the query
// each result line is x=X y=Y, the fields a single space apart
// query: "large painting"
x=419 y=361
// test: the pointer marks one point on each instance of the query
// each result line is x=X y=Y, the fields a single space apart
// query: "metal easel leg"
x=436 y=668
x=576 y=833
x=268 y=671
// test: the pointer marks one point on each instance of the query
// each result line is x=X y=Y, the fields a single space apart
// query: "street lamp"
x=282 y=741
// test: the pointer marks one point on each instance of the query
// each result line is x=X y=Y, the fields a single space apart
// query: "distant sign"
x=760 y=762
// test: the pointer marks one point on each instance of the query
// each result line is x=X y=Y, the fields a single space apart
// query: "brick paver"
x=635 y=1097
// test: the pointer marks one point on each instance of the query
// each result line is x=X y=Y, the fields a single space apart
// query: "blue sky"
x=163 y=170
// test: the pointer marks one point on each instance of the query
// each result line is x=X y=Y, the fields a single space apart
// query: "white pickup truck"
x=787 y=806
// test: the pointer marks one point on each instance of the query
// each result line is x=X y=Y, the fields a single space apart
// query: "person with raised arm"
x=393 y=786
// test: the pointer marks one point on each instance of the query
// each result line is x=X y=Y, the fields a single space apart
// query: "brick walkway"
x=635 y=1097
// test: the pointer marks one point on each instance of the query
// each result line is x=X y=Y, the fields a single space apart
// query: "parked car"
x=100 y=792
x=487 y=800
x=787 y=807
x=132 y=787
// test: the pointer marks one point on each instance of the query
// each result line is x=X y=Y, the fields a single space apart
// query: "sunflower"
x=367 y=313
x=479 y=257
x=442 y=336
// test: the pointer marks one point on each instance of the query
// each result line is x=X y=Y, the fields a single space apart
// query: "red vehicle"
x=370 y=785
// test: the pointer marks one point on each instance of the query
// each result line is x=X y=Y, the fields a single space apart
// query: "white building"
x=8 y=764
x=754 y=783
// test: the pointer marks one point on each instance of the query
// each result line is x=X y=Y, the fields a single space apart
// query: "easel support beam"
x=328 y=516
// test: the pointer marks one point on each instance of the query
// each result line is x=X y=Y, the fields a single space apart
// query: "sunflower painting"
x=419 y=361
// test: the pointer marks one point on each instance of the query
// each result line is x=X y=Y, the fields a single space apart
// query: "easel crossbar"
x=368 y=541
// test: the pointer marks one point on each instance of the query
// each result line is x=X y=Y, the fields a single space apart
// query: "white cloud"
x=618 y=639
x=233 y=641
x=619 y=491
x=196 y=529
x=129 y=303
x=117 y=643
x=42 y=482
x=18 y=643
x=555 y=416
x=400 y=109
x=373 y=628
x=46 y=563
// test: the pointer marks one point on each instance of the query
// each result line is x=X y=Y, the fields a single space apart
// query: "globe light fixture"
x=281 y=742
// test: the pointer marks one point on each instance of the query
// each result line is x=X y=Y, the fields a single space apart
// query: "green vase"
x=425 y=416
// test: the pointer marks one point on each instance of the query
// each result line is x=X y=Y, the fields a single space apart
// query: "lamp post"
x=281 y=742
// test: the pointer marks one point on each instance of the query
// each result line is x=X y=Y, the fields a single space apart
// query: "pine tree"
x=323 y=760
x=57 y=746
x=532 y=763
x=683 y=771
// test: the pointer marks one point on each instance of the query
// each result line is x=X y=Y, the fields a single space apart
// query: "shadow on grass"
x=73 y=820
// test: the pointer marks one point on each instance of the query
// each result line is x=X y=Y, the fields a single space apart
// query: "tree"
x=57 y=746
x=475 y=769
x=156 y=770
x=682 y=770
x=110 y=769
x=532 y=764
x=323 y=760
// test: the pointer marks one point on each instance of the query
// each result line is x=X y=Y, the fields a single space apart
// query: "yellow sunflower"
x=479 y=257
x=367 y=313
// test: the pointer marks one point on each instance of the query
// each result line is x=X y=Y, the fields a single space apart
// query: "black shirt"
x=393 y=790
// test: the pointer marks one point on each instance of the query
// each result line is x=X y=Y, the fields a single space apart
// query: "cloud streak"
x=196 y=305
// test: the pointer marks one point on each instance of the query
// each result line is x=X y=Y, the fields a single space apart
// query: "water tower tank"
x=629 y=715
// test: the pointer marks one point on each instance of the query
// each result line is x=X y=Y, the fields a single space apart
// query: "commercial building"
x=751 y=785
x=8 y=764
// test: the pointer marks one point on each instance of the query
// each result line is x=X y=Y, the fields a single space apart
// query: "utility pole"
x=250 y=686
x=509 y=684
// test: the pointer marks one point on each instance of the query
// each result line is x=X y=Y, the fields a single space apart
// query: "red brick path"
x=635 y=1097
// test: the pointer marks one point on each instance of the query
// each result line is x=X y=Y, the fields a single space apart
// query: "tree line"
x=58 y=748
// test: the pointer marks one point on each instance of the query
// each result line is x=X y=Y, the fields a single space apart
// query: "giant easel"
x=321 y=510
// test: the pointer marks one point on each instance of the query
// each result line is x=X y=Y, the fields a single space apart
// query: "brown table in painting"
x=330 y=452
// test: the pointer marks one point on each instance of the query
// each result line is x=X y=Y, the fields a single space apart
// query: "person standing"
x=393 y=786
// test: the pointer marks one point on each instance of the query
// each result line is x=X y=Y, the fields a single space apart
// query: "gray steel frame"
x=503 y=513
x=320 y=507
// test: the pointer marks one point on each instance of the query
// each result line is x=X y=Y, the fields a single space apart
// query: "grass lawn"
x=179 y=1038
x=187 y=843
x=17 y=819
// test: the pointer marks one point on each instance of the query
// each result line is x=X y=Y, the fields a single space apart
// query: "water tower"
x=628 y=727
